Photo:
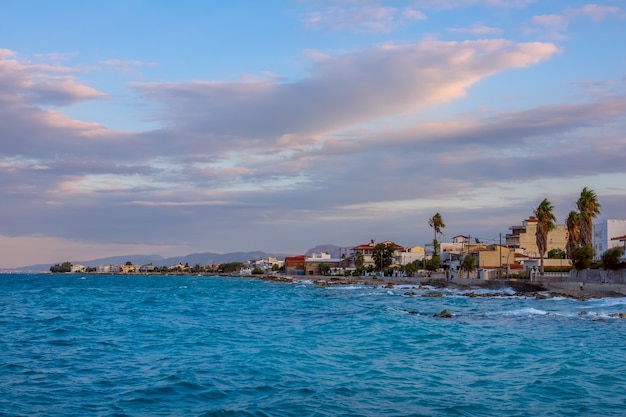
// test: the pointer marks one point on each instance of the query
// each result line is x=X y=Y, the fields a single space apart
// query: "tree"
x=383 y=255
x=468 y=264
x=556 y=253
x=324 y=268
x=434 y=263
x=582 y=257
x=359 y=260
x=230 y=267
x=573 y=232
x=411 y=268
x=436 y=222
x=545 y=224
x=611 y=258
x=589 y=208
x=64 y=267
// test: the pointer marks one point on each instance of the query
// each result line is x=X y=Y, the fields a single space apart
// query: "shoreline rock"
x=539 y=290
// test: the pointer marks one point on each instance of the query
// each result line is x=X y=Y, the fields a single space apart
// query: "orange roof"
x=619 y=237
x=371 y=245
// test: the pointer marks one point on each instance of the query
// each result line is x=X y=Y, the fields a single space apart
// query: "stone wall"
x=599 y=276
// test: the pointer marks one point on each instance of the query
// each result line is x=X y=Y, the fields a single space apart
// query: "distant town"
x=517 y=255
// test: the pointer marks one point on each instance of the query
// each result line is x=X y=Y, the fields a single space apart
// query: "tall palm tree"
x=589 y=208
x=436 y=222
x=545 y=223
x=573 y=232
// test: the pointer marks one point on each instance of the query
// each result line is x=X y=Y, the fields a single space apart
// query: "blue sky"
x=167 y=128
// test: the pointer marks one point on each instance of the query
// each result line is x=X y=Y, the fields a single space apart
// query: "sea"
x=114 y=345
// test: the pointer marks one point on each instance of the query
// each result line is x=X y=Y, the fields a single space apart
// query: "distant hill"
x=206 y=258
x=334 y=250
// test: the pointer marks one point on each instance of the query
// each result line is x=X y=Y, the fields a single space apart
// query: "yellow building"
x=523 y=237
x=493 y=256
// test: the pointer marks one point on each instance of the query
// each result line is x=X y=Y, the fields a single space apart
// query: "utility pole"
x=500 y=270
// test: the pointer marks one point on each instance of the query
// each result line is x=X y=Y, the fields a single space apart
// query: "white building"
x=604 y=234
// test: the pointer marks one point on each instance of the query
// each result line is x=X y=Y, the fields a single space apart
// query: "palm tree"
x=545 y=223
x=573 y=232
x=589 y=208
x=436 y=222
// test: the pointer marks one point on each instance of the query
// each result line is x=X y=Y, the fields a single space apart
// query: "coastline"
x=540 y=289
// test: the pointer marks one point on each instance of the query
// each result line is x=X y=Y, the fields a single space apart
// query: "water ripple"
x=200 y=346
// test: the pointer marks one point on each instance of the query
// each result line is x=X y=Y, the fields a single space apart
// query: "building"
x=523 y=237
x=622 y=243
x=493 y=256
x=409 y=255
x=367 y=250
x=312 y=264
x=294 y=265
x=267 y=265
x=604 y=233
x=146 y=268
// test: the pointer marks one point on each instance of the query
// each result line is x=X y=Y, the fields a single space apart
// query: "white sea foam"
x=526 y=311
x=609 y=302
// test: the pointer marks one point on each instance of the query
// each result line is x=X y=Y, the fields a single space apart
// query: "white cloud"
x=350 y=89
x=127 y=65
x=552 y=26
x=478 y=29
x=595 y=12
x=24 y=83
x=362 y=18
x=453 y=4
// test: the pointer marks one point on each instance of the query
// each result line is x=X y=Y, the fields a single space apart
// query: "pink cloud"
x=595 y=12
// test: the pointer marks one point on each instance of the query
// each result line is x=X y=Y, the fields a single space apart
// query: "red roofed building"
x=367 y=249
x=294 y=265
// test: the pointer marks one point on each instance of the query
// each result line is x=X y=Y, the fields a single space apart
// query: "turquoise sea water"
x=94 y=345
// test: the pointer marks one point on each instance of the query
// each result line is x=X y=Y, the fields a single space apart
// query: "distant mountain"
x=206 y=258
x=122 y=259
x=334 y=250
x=209 y=258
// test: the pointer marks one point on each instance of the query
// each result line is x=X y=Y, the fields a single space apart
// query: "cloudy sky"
x=160 y=127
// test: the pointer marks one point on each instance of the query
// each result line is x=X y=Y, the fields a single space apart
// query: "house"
x=603 y=234
x=409 y=255
x=78 y=268
x=493 y=256
x=312 y=264
x=523 y=237
x=267 y=265
x=146 y=268
x=456 y=246
x=108 y=269
x=367 y=250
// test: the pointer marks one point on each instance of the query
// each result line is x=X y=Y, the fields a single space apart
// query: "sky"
x=171 y=128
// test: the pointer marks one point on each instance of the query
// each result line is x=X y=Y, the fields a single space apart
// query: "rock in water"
x=445 y=314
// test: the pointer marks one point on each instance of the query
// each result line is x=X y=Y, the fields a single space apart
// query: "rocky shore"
x=468 y=287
